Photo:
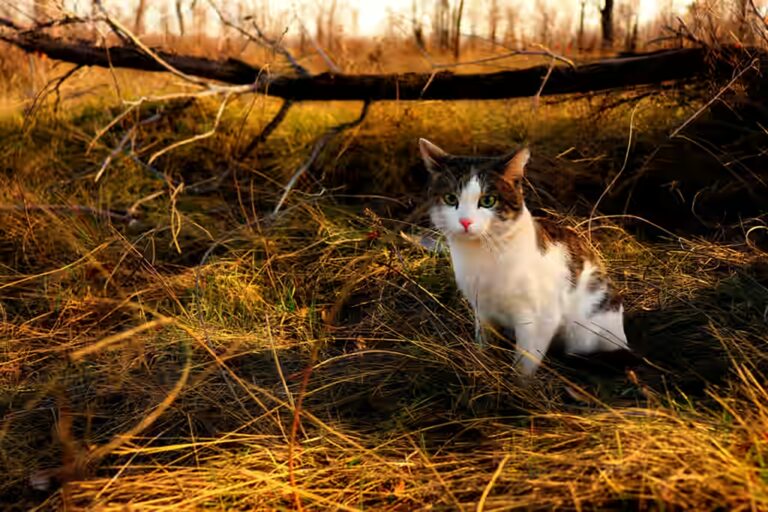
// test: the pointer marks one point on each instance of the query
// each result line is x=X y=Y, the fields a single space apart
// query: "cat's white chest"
x=496 y=287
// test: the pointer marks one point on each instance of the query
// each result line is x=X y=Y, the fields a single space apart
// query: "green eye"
x=487 y=201
x=451 y=199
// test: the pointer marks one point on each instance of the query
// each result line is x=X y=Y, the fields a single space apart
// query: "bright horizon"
x=365 y=18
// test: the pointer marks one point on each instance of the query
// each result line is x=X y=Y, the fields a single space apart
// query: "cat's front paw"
x=526 y=366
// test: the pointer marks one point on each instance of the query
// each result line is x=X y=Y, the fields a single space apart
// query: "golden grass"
x=204 y=356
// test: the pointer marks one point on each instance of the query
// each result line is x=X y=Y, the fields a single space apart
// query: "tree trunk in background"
x=180 y=16
x=632 y=36
x=138 y=25
x=418 y=30
x=319 y=27
x=580 y=37
x=441 y=24
x=606 y=23
x=510 y=38
x=457 y=33
x=493 y=20
x=330 y=25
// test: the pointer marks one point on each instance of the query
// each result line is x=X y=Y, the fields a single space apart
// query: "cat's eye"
x=487 y=201
x=451 y=199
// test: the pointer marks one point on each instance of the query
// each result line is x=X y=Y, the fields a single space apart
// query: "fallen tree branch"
x=643 y=69
x=268 y=129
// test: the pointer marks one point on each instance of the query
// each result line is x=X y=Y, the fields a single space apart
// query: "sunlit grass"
x=328 y=306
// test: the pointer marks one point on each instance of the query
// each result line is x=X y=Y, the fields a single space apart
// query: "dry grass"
x=204 y=356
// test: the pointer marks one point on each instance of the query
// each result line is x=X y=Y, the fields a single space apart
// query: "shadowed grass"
x=198 y=325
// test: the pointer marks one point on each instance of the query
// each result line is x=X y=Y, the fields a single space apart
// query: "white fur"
x=509 y=281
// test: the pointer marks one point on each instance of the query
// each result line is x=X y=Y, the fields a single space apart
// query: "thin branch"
x=60 y=81
x=514 y=53
x=109 y=21
x=262 y=40
x=537 y=96
x=713 y=99
x=268 y=129
x=118 y=149
x=328 y=61
x=318 y=147
x=52 y=87
x=135 y=41
x=618 y=174
x=195 y=138
x=59 y=22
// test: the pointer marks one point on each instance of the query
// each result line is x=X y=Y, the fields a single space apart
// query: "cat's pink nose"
x=466 y=223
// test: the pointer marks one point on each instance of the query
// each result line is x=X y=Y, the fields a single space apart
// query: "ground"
x=195 y=351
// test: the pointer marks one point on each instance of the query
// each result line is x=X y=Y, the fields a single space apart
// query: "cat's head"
x=474 y=196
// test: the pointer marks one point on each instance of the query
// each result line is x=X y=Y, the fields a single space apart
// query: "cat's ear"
x=431 y=154
x=514 y=166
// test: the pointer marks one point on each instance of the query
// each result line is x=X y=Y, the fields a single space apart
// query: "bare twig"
x=118 y=149
x=60 y=81
x=129 y=38
x=618 y=174
x=52 y=87
x=319 y=145
x=109 y=21
x=537 y=96
x=194 y=138
x=513 y=53
x=713 y=99
x=262 y=39
x=67 y=19
x=328 y=61
x=268 y=129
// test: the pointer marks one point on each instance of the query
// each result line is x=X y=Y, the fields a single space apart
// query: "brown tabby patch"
x=612 y=299
x=549 y=233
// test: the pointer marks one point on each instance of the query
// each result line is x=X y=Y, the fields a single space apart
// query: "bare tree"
x=493 y=20
x=441 y=24
x=544 y=29
x=331 y=27
x=628 y=14
x=180 y=15
x=457 y=32
x=416 y=26
x=580 y=37
x=138 y=25
x=510 y=34
x=606 y=24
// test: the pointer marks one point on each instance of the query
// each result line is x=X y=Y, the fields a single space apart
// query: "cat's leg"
x=532 y=341
x=482 y=334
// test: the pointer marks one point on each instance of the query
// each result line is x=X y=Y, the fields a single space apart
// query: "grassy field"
x=169 y=345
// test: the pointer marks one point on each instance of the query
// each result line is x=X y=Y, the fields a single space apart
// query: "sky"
x=372 y=16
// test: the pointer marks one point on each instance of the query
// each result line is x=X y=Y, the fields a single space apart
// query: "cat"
x=527 y=275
